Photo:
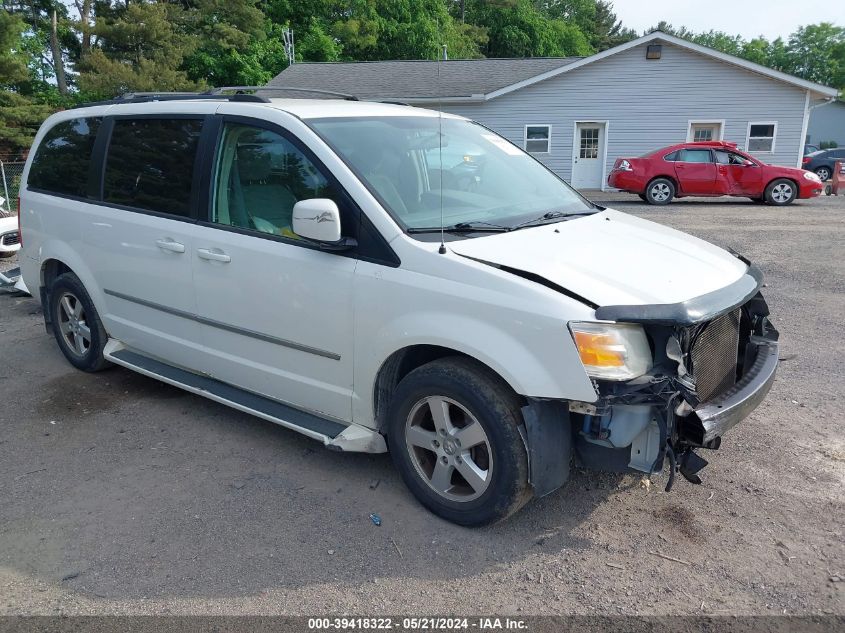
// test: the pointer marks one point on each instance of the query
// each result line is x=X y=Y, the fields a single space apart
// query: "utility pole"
x=287 y=37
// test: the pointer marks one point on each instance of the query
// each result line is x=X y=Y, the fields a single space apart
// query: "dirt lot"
x=123 y=495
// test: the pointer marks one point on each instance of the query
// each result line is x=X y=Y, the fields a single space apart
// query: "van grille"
x=10 y=239
x=714 y=354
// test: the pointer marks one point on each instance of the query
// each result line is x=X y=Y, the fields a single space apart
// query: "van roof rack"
x=244 y=89
x=241 y=93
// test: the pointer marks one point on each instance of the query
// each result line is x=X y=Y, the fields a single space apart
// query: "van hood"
x=611 y=258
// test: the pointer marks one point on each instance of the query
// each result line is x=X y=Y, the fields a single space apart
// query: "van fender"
x=545 y=366
x=61 y=251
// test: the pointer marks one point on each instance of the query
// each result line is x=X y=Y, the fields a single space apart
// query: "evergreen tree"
x=141 y=48
x=517 y=28
x=19 y=115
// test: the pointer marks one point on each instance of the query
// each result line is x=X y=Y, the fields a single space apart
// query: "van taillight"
x=20 y=233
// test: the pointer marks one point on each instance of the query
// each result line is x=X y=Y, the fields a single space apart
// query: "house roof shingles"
x=417 y=79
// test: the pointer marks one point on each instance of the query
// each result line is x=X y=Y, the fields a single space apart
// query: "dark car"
x=822 y=161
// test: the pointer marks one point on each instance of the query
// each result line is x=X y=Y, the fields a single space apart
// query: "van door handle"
x=213 y=255
x=168 y=244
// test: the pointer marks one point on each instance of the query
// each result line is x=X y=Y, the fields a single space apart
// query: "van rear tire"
x=76 y=324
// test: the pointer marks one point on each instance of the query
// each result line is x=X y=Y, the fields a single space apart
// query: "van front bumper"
x=731 y=407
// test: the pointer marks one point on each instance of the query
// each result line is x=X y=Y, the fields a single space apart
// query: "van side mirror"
x=318 y=220
x=749 y=163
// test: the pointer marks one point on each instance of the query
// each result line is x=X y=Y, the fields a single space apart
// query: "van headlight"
x=809 y=175
x=612 y=351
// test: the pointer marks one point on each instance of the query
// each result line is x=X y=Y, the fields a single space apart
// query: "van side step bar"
x=335 y=435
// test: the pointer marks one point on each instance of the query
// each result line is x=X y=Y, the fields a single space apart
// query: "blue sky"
x=749 y=18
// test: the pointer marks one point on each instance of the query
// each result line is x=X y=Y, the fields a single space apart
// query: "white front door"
x=588 y=156
x=277 y=312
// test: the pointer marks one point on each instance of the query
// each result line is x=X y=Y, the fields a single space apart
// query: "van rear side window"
x=63 y=158
x=150 y=164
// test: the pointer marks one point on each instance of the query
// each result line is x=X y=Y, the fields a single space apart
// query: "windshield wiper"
x=475 y=226
x=551 y=215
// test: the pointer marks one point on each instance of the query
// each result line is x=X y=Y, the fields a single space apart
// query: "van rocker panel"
x=335 y=435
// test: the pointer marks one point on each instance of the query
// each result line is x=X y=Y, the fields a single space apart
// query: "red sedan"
x=711 y=168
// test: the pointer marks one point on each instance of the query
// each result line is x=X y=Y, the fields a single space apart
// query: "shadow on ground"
x=120 y=486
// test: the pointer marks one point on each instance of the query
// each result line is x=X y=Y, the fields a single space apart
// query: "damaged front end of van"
x=714 y=360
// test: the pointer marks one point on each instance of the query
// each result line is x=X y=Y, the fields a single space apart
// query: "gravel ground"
x=121 y=495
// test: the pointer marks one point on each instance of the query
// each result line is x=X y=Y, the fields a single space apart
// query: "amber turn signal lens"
x=611 y=351
x=599 y=350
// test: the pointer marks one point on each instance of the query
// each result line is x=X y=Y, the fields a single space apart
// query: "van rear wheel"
x=454 y=437
x=76 y=324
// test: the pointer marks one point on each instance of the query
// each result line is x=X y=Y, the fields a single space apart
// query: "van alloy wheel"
x=449 y=448
x=76 y=324
x=73 y=325
x=453 y=429
x=782 y=192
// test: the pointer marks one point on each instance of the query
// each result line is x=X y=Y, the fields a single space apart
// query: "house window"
x=705 y=131
x=589 y=147
x=761 y=137
x=538 y=138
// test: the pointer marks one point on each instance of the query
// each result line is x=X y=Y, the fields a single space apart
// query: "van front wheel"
x=454 y=437
x=76 y=324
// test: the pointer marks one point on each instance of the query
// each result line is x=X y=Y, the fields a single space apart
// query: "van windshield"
x=485 y=179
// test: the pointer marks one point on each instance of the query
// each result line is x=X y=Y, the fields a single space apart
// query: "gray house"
x=827 y=123
x=578 y=115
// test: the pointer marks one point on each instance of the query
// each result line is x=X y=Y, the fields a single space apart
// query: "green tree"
x=401 y=29
x=517 y=28
x=141 y=48
x=317 y=44
x=595 y=18
x=49 y=43
x=779 y=57
x=606 y=31
x=817 y=53
x=756 y=50
x=229 y=38
x=19 y=115
x=721 y=41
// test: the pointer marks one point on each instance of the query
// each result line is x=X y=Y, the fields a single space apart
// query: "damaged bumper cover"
x=735 y=404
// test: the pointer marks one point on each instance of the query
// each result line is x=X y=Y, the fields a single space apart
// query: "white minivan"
x=378 y=276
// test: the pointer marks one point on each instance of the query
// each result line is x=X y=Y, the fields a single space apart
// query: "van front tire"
x=454 y=437
x=76 y=324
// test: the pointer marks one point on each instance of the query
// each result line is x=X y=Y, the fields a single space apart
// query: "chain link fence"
x=10 y=184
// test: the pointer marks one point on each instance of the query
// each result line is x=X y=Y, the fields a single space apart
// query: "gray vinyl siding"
x=648 y=104
x=827 y=123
